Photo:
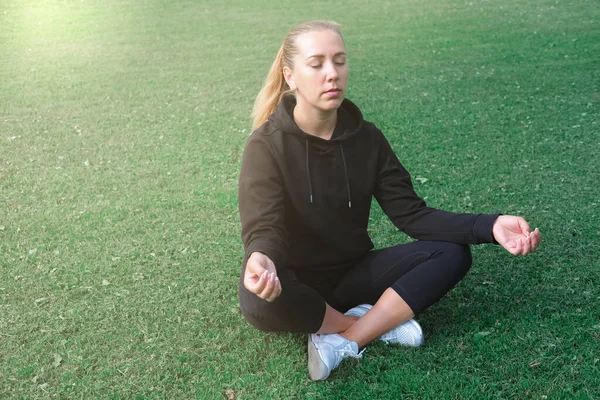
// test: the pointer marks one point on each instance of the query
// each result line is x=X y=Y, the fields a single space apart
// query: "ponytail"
x=271 y=93
x=275 y=86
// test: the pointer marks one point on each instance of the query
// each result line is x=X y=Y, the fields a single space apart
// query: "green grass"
x=121 y=131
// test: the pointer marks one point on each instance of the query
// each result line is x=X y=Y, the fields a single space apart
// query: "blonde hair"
x=275 y=86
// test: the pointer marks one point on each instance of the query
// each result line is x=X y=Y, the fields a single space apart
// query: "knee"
x=460 y=255
x=254 y=309
x=462 y=252
x=298 y=309
x=457 y=257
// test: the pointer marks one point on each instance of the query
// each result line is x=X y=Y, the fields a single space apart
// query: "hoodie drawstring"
x=346 y=173
x=308 y=171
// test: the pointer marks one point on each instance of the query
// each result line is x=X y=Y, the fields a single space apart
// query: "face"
x=319 y=77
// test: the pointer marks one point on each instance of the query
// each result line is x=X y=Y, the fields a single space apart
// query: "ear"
x=289 y=78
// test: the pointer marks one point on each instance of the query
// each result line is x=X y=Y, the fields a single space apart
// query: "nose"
x=332 y=72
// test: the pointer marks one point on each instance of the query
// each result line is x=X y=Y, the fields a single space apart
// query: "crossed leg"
x=400 y=281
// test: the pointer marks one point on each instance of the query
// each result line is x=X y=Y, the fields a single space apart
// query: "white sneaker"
x=325 y=352
x=407 y=334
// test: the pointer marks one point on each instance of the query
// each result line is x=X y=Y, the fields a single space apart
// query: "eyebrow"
x=341 y=53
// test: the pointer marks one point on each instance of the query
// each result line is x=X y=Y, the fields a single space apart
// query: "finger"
x=532 y=242
x=278 y=287
x=511 y=248
x=524 y=226
x=266 y=292
x=536 y=238
x=516 y=250
x=261 y=284
x=253 y=271
x=251 y=279
x=526 y=246
x=255 y=268
x=519 y=246
x=276 y=291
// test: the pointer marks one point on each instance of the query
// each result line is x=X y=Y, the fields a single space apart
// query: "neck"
x=315 y=122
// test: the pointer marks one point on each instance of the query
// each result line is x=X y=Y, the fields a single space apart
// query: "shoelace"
x=347 y=351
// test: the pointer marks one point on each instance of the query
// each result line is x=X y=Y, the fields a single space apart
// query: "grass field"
x=121 y=130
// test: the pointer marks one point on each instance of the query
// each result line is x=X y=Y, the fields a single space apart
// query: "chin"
x=333 y=104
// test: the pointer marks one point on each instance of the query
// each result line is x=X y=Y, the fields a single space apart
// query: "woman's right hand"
x=261 y=278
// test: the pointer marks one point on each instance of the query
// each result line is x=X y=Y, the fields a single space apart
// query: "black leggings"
x=420 y=272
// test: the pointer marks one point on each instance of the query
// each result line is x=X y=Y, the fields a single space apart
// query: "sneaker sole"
x=316 y=367
x=414 y=326
x=417 y=327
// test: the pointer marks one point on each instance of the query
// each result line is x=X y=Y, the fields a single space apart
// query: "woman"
x=309 y=172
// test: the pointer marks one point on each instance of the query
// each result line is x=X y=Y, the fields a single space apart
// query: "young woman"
x=309 y=173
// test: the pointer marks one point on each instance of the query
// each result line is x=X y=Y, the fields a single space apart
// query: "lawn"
x=122 y=125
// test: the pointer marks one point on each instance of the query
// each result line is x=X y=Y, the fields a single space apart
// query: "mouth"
x=333 y=91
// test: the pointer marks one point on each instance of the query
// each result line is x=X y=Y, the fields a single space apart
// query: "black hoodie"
x=305 y=201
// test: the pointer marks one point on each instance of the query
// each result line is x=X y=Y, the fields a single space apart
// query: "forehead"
x=322 y=42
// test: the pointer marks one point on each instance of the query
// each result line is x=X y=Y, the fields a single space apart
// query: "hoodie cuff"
x=277 y=255
x=482 y=229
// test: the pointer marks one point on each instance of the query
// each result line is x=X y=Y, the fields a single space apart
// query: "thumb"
x=524 y=226
x=254 y=268
x=254 y=277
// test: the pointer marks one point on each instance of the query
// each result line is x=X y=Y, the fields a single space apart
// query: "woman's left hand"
x=513 y=233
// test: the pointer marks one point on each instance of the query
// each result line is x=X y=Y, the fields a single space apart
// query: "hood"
x=349 y=123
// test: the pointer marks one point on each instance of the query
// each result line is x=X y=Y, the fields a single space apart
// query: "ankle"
x=351 y=320
x=335 y=322
x=347 y=334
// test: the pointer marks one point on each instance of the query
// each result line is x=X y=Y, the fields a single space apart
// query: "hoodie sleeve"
x=261 y=202
x=409 y=213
